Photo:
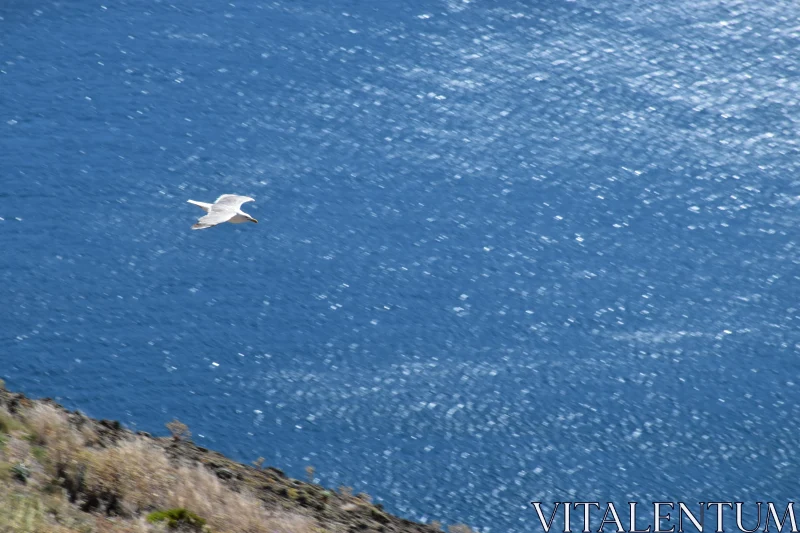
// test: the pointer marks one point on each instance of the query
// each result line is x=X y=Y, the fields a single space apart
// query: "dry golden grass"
x=459 y=528
x=47 y=424
x=21 y=513
x=26 y=511
x=8 y=423
x=135 y=472
x=139 y=525
x=179 y=430
x=228 y=511
x=133 y=477
x=17 y=451
x=138 y=475
x=50 y=428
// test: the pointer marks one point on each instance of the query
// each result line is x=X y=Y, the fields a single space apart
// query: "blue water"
x=507 y=251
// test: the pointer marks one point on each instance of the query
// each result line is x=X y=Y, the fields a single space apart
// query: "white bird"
x=227 y=208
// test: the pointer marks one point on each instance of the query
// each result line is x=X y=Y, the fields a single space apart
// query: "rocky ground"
x=63 y=472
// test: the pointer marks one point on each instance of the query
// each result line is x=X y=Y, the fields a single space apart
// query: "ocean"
x=507 y=251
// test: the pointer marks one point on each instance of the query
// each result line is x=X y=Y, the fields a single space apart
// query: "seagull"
x=227 y=208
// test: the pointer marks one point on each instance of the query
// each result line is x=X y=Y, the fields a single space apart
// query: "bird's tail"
x=204 y=206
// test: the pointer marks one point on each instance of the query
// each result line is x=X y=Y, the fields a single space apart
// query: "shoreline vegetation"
x=64 y=472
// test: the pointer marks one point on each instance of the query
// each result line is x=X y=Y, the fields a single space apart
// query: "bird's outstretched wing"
x=214 y=217
x=232 y=200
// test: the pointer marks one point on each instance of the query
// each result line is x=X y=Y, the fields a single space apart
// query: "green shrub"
x=176 y=518
x=21 y=472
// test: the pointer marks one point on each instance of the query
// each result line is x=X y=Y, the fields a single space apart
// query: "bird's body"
x=227 y=208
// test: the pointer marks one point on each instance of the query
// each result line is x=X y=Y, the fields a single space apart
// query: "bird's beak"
x=254 y=221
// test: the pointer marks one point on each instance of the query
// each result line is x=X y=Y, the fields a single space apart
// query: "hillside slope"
x=63 y=472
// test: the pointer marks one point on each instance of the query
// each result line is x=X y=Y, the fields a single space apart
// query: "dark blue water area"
x=506 y=251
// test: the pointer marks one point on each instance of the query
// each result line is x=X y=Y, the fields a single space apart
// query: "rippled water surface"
x=507 y=251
